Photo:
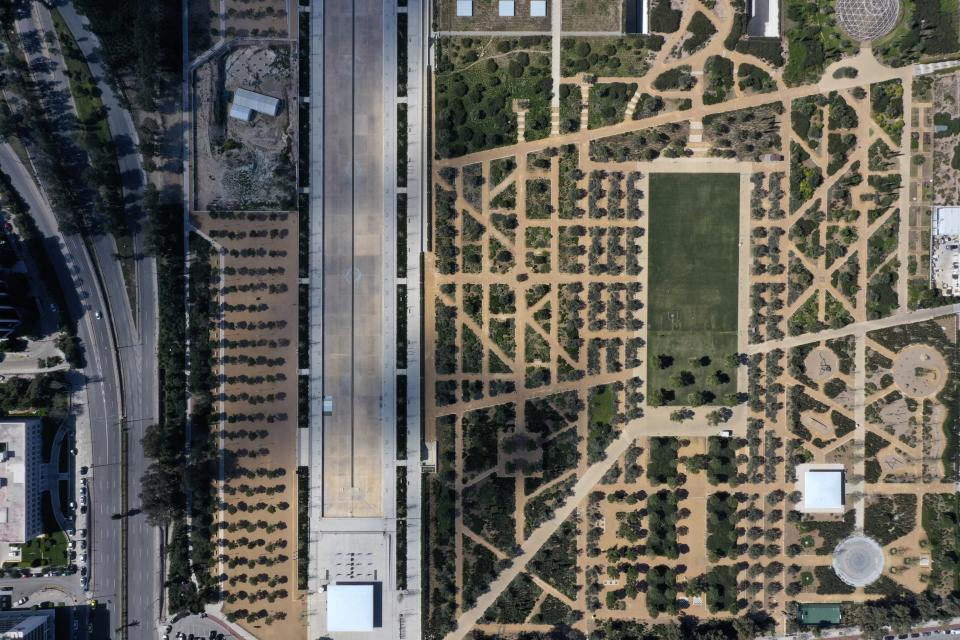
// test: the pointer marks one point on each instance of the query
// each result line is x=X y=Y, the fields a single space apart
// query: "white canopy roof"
x=947 y=221
x=823 y=489
x=350 y=607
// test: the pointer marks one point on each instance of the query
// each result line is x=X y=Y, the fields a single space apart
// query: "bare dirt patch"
x=920 y=371
x=244 y=165
x=821 y=364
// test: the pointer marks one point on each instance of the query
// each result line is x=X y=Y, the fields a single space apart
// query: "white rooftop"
x=465 y=8
x=507 y=8
x=823 y=489
x=538 y=8
x=240 y=112
x=350 y=607
x=256 y=101
x=946 y=221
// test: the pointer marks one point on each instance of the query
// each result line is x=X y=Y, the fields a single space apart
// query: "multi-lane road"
x=137 y=341
x=84 y=298
x=121 y=347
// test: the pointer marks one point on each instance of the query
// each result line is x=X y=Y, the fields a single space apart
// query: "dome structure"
x=866 y=20
x=858 y=561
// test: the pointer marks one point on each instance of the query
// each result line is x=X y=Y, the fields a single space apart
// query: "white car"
x=97 y=315
x=22 y=600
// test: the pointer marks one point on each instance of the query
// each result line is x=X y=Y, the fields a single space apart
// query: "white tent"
x=823 y=489
x=465 y=8
x=350 y=607
x=507 y=8
x=538 y=8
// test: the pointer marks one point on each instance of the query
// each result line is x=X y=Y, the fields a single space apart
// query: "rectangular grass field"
x=693 y=271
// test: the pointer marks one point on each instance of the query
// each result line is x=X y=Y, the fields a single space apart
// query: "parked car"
x=22 y=600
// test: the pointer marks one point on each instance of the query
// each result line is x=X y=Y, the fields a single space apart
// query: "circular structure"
x=920 y=371
x=858 y=561
x=821 y=364
x=865 y=20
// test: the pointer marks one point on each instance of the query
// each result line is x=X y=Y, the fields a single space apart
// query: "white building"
x=465 y=8
x=945 y=250
x=538 y=8
x=21 y=463
x=351 y=607
x=507 y=8
x=823 y=487
x=27 y=624
x=246 y=103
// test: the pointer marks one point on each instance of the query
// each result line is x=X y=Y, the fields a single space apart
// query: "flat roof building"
x=945 y=250
x=465 y=8
x=507 y=8
x=764 y=19
x=538 y=8
x=27 y=624
x=823 y=489
x=21 y=463
x=351 y=607
x=246 y=102
x=636 y=17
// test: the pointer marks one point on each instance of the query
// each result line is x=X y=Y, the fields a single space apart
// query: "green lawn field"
x=693 y=255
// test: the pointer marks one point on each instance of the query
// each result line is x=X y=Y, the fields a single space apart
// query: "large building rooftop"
x=20 y=477
x=823 y=489
x=945 y=250
x=350 y=607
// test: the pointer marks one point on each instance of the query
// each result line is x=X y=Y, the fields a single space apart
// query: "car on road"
x=97 y=315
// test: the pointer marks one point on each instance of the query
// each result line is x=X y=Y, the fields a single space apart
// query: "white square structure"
x=350 y=607
x=538 y=8
x=823 y=489
x=464 y=8
x=507 y=8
